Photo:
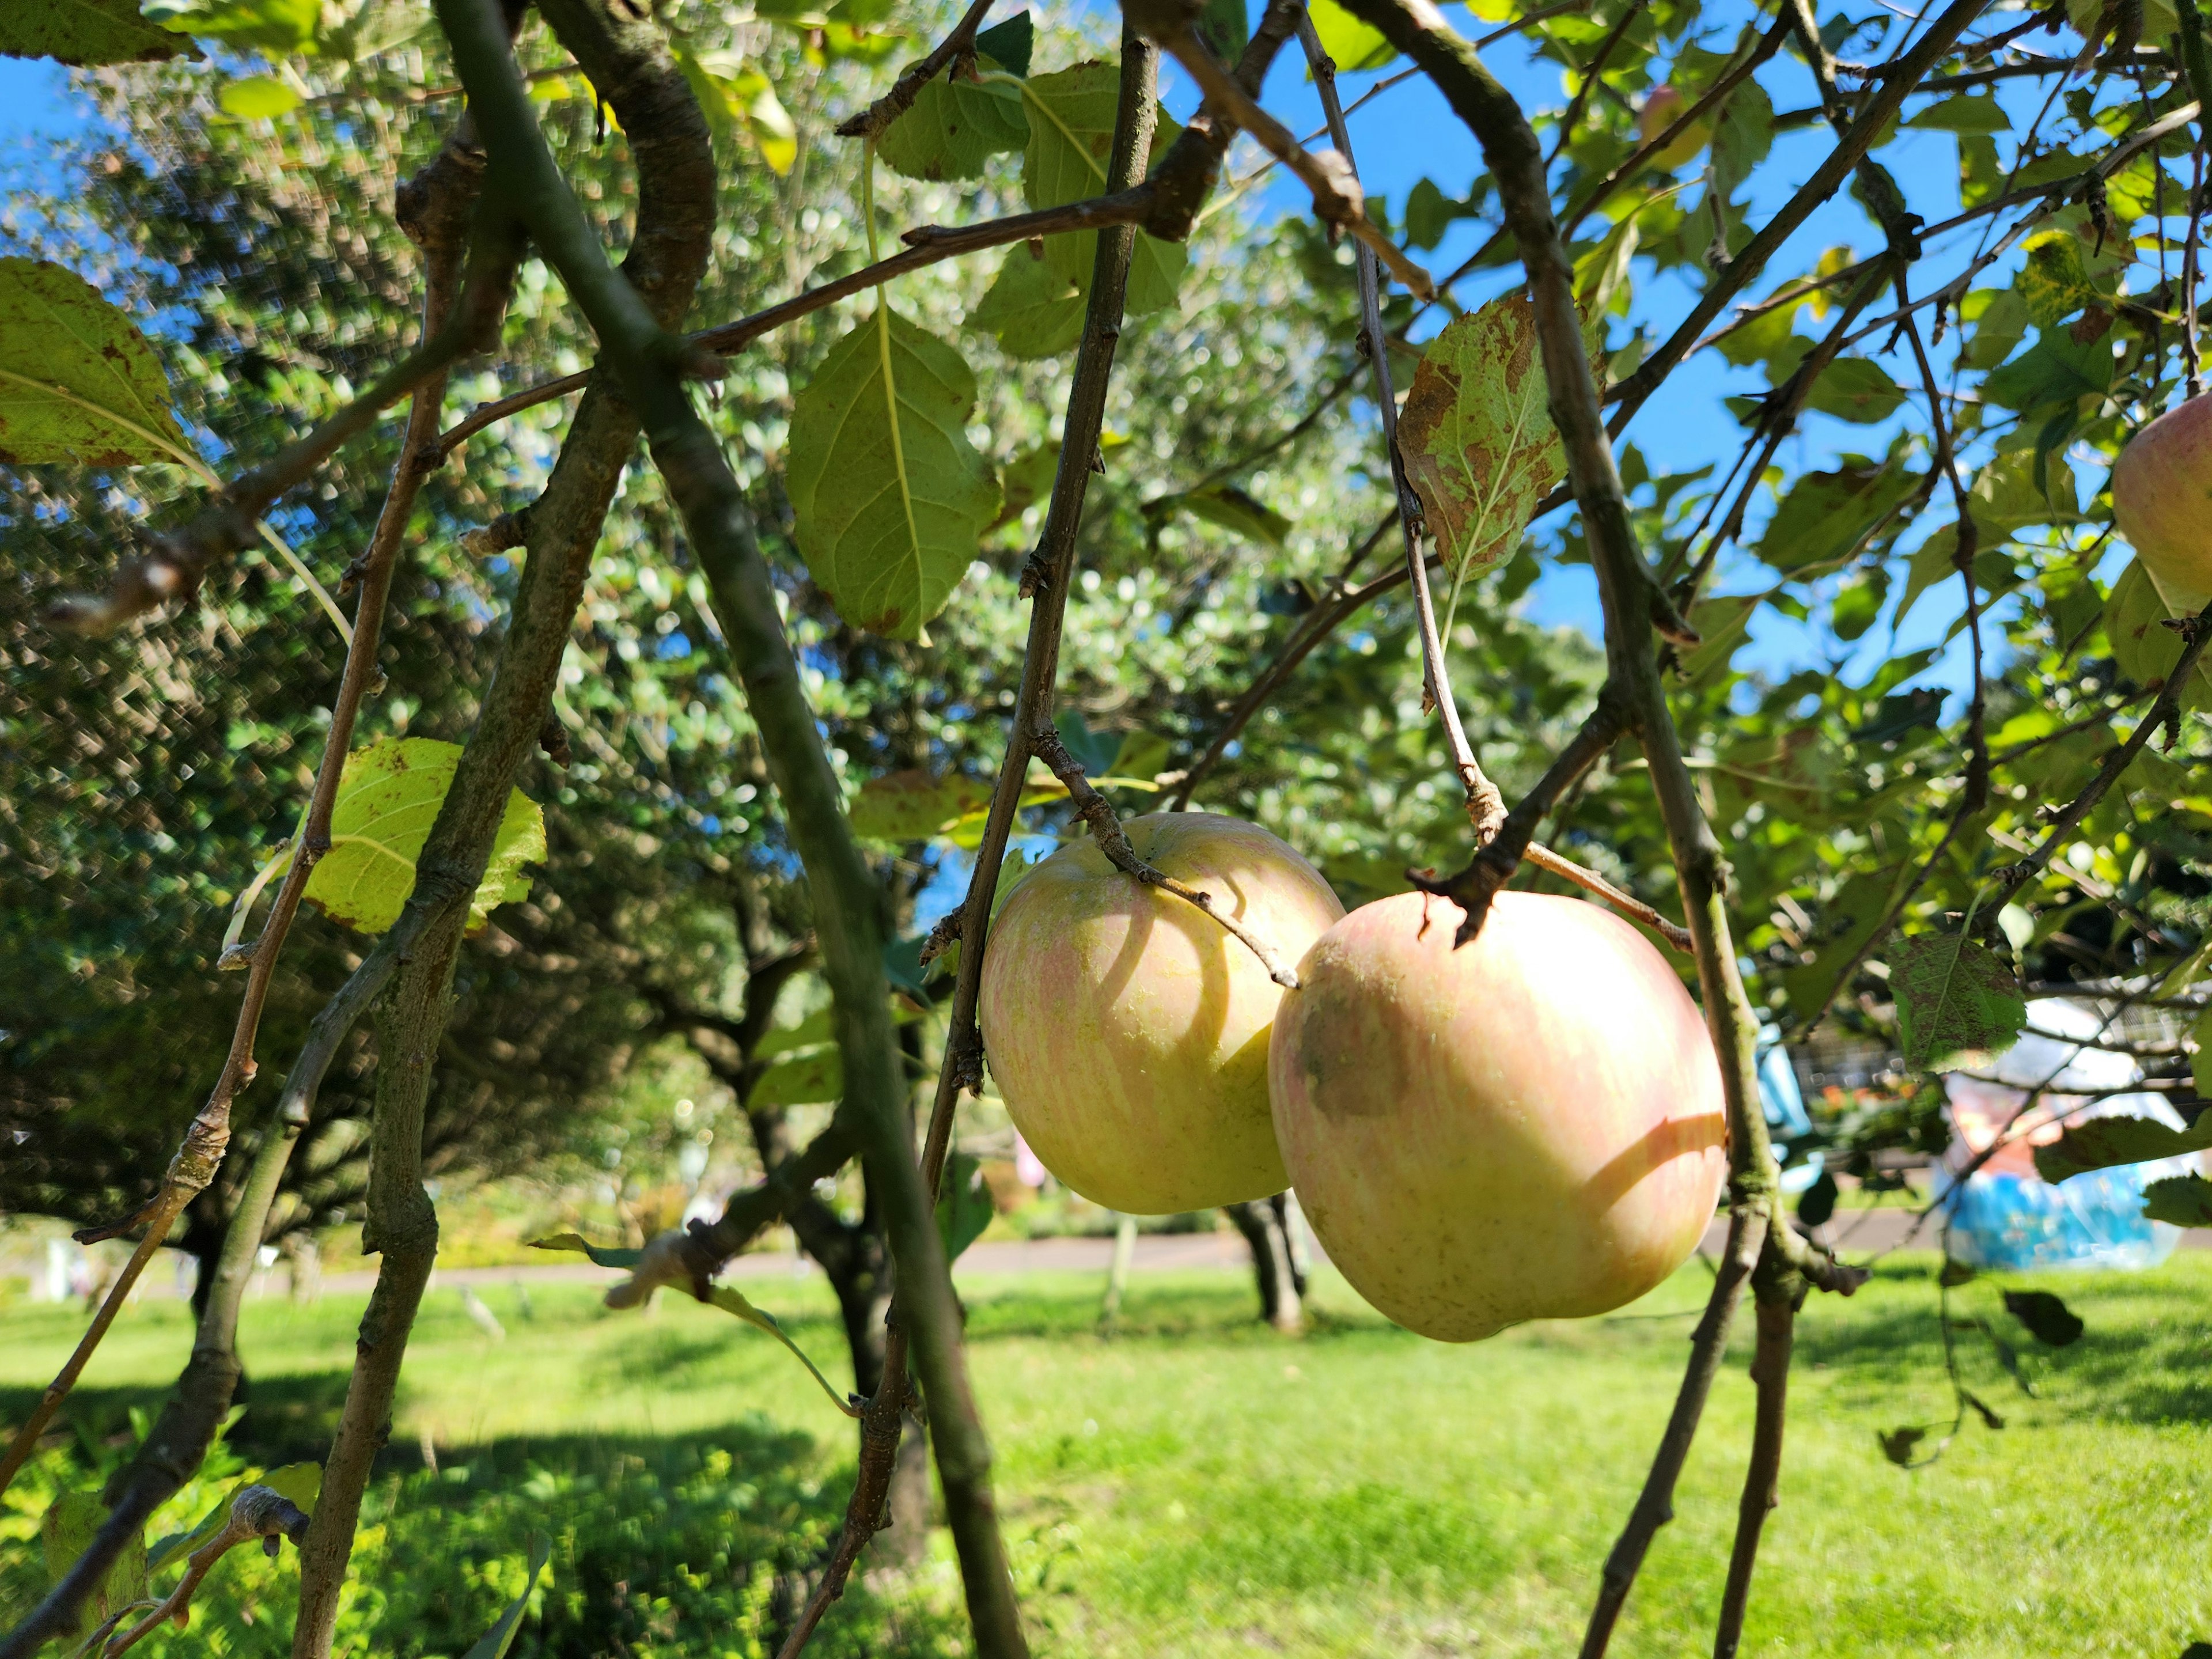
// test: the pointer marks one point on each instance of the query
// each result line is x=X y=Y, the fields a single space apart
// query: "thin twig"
x=207 y=1139
x=1106 y=829
x=1338 y=199
x=960 y=43
x=258 y=1512
x=1485 y=806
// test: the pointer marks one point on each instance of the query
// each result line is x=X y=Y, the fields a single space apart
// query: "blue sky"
x=1409 y=133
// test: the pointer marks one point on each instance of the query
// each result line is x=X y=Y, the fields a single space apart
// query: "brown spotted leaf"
x=1477 y=436
x=77 y=380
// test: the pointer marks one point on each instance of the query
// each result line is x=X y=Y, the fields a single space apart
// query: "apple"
x=1127 y=1030
x=2162 y=498
x=1530 y=1127
x=1661 y=109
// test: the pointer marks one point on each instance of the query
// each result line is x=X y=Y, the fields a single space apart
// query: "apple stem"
x=1106 y=828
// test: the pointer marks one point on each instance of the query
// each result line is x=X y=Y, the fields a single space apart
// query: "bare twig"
x=1338 y=199
x=1655 y=1504
x=1106 y=829
x=960 y=44
x=258 y=1512
x=1575 y=104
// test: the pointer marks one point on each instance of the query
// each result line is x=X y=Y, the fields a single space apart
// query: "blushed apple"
x=2163 y=499
x=1530 y=1127
x=1127 y=1030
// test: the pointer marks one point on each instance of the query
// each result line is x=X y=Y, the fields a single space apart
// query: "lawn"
x=1195 y=1484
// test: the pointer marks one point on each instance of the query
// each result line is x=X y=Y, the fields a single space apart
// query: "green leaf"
x=257 y=98
x=803 y=1080
x=1825 y=514
x=83 y=33
x=729 y=1301
x=1034 y=310
x=2053 y=283
x=388 y=797
x=1093 y=750
x=1429 y=214
x=2101 y=1142
x=1071 y=138
x=78 y=382
x=2180 y=1202
x=953 y=128
x=740 y=104
x=274 y=25
x=1477 y=436
x=1008 y=44
x=1722 y=623
x=1847 y=923
x=963 y=1206
x=1853 y=389
x=1896 y=1445
x=1965 y=114
x=1224 y=26
x=66 y=1532
x=605 y=1256
x=890 y=496
x=1351 y=42
x=1228 y=506
x=2200 y=1063
x=2056 y=370
x=1954 y=997
x=911 y=805
x=500 y=1636
x=2145 y=648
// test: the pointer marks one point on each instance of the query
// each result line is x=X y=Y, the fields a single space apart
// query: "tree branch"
x=653 y=364
x=1762 y=1482
x=255 y=1513
x=434 y=210
x=961 y=43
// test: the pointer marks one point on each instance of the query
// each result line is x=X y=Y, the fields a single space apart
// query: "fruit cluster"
x=1529 y=1127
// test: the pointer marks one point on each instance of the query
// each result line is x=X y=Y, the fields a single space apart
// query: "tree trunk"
x=1266 y=1226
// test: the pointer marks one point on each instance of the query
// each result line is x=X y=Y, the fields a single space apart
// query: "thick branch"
x=1762 y=1482
x=653 y=364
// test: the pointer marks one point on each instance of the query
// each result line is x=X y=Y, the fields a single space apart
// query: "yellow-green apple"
x=1127 y=1030
x=1661 y=109
x=2162 y=499
x=1530 y=1127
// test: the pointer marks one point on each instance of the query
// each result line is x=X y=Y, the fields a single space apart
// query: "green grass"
x=1195 y=1484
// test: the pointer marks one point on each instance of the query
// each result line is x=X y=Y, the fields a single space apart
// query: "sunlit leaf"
x=1955 y=998
x=603 y=1255
x=1071 y=115
x=1230 y=507
x=900 y=806
x=953 y=128
x=277 y=26
x=891 y=497
x=732 y=1302
x=83 y=33
x=2053 y=283
x=388 y=797
x=1825 y=514
x=66 y=1532
x=78 y=382
x=1856 y=390
x=1477 y=436
x=1351 y=42
x=801 y=1080
x=257 y=98
x=494 y=1642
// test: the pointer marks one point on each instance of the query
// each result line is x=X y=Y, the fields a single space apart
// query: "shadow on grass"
x=2142 y=1355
